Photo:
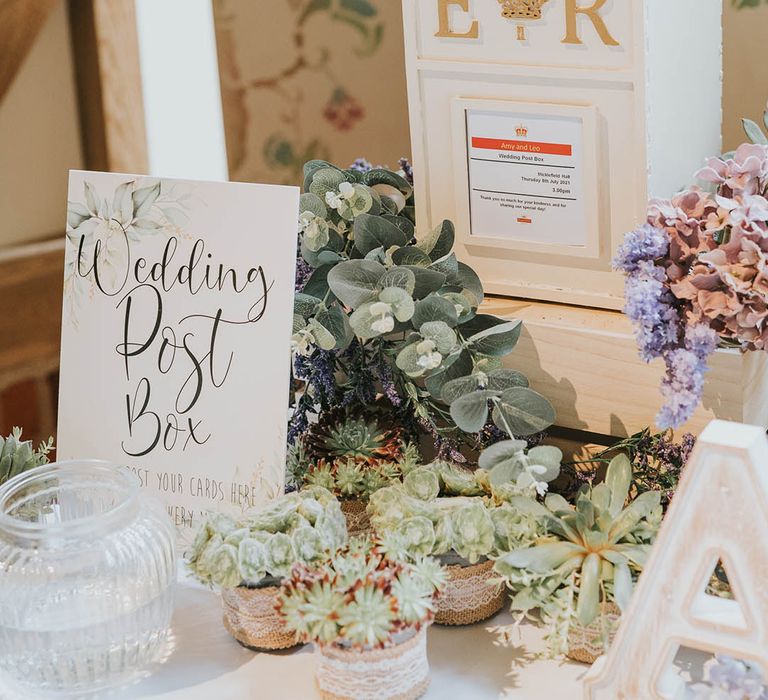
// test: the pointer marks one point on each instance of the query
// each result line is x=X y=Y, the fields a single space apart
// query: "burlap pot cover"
x=585 y=644
x=358 y=521
x=468 y=597
x=396 y=673
x=250 y=617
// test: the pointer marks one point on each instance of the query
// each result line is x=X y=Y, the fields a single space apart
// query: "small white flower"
x=459 y=309
x=385 y=324
x=425 y=347
x=428 y=357
x=333 y=200
x=302 y=342
x=386 y=320
x=314 y=229
x=381 y=308
x=305 y=220
x=338 y=200
x=431 y=360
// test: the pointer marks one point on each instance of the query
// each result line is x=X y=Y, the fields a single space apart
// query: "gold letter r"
x=572 y=10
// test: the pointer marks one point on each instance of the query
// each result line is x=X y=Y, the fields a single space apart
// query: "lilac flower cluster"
x=407 y=169
x=386 y=377
x=317 y=372
x=303 y=273
x=361 y=165
x=729 y=679
x=661 y=332
x=683 y=384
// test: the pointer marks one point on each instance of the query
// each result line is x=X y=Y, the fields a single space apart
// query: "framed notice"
x=178 y=303
x=526 y=177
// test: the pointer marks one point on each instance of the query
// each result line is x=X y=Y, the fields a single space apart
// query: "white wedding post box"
x=542 y=127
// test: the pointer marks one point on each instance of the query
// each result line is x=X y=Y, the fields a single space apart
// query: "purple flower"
x=361 y=165
x=646 y=243
x=726 y=677
x=324 y=375
x=684 y=382
x=387 y=383
x=660 y=329
x=650 y=306
x=303 y=273
x=407 y=169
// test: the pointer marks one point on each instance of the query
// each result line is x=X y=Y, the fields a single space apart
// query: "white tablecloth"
x=207 y=664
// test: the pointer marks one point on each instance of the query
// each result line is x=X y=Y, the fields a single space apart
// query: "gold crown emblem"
x=521 y=9
x=521 y=130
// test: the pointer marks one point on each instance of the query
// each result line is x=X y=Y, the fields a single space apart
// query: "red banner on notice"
x=550 y=149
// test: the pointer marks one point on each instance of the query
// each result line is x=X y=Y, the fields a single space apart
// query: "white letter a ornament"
x=719 y=514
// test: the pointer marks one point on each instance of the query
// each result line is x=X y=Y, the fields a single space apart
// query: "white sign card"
x=526 y=177
x=178 y=305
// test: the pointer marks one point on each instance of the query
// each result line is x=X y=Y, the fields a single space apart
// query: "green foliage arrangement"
x=441 y=509
x=362 y=596
x=385 y=311
x=591 y=553
x=17 y=455
x=260 y=549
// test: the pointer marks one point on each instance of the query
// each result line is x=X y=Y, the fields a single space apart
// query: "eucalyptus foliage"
x=18 y=456
x=592 y=552
x=262 y=547
x=401 y=306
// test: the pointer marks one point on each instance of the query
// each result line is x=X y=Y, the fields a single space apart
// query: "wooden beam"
x=20 y=23
x=106 y=49
x=30 y=300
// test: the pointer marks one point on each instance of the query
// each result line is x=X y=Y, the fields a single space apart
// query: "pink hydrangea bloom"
x=714 y=271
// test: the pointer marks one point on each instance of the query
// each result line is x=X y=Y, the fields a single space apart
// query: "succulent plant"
x=263 y=546
x=17 y=455
x=362 y=595
x=361 y=439
x=470 y=526
x=358 y=471
x=422 y=483
x=595 y=549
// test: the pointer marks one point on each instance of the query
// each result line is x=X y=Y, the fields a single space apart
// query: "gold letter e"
x=445 y=22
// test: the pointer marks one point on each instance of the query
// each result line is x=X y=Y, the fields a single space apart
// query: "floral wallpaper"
x=308 y=79
x=305 y=79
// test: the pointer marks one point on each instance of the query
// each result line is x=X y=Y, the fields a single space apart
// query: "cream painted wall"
x=746 y=68
x=39 y=138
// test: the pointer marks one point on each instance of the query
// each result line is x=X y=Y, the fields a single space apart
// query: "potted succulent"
x=17 y=455
x=386 y=316
x=581 y=573
x=367 y=609
x=249 y=557
x=464 y=528
x=353 y=457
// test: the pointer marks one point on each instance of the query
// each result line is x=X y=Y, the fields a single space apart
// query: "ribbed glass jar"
x=87 y=568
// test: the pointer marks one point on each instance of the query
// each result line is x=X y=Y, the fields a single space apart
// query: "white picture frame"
x=476 y=244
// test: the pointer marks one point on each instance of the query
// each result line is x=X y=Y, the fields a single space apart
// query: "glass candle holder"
x=87 y=568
